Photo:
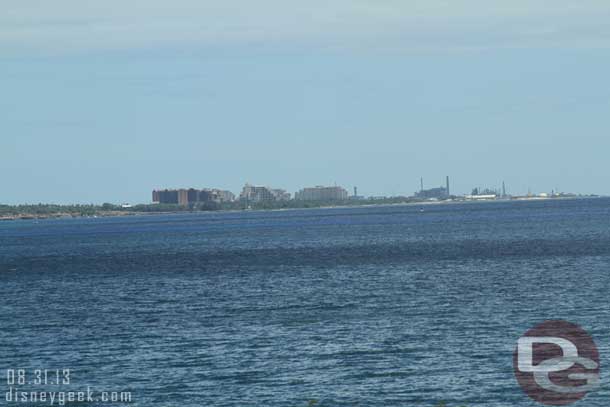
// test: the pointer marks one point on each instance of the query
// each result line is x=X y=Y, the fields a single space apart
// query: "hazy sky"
x=106 y=100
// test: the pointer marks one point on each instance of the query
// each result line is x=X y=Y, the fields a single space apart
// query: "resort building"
x=254 y=193
x=321 y=193
x=191 y=196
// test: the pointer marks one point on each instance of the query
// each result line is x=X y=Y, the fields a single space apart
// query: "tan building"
x=321 y=193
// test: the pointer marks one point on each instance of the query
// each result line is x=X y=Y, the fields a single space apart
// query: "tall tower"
x=503 y=190
x=421 y=183
x=355 y=191
x=448 y=193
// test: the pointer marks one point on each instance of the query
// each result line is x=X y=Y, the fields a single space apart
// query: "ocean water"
x=370 y=306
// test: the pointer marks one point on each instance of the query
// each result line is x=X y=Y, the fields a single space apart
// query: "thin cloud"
x=72 y=25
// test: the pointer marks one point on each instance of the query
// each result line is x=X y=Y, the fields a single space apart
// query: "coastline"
x=64 y=215
x=98 y=213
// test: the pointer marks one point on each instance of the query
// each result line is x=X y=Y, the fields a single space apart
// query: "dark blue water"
x=380 y=306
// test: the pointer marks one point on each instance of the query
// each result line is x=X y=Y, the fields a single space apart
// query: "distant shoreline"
x=94 y=211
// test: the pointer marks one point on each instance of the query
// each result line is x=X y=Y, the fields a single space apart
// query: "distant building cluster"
x=191 y=196
x=487 y=194
x=249 y=194
x=320 y=193
x=255 y=194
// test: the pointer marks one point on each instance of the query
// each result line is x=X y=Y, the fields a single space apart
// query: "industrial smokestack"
x=448 y=193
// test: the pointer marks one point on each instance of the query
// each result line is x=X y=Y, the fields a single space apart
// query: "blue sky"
x=104 y=101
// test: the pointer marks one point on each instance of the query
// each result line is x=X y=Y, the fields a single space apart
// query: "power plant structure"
x=433 y=193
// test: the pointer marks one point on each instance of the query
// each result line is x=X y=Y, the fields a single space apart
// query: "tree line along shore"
x=43 y=211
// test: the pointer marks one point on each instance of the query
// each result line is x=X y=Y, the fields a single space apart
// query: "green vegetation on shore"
x=45 y=210
x=39 y=211
x=30 y=211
